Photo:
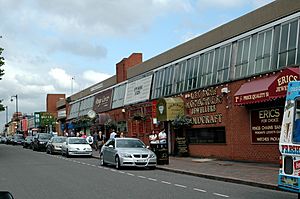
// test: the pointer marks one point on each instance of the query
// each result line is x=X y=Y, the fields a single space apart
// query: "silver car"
x=123 y=152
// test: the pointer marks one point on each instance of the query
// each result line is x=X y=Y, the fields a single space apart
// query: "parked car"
x=123 y=152
x=76 y=146
x=18 y=139
x=54 y=145
x=27 y=142
x=39 y=141
x=9 y=139
x=3 y=140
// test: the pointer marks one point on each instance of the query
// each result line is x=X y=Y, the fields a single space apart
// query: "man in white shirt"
x=112 y=134
x=162 y=136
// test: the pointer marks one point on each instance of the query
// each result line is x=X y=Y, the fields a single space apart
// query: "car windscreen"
x=77 y=141
x=58 y=140
x=44 y=136
x=124 y=143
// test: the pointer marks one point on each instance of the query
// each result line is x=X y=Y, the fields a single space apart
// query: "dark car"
x=54 y=145
x=40 y=141
x=3 y=140
x=9 y=140
x=18 y=139
x=27 y=142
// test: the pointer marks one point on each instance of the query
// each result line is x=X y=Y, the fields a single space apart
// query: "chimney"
x=122 y=66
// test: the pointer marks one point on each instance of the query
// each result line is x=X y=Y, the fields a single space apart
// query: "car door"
x=64 y=146
x=109 y=151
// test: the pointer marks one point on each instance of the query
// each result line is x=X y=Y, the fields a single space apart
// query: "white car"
x=76 y=146
x=127 y=152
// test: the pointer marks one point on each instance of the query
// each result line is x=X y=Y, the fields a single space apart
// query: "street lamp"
x=11 y=99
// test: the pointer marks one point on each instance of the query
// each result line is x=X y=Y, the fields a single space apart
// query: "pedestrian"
x=101 y=140
x=162 y=136
x=83 y=134
x=112 y=134
x=95 y=139
x=122 y=135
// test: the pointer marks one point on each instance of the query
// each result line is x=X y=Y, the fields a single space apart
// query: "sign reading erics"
x=138 y=90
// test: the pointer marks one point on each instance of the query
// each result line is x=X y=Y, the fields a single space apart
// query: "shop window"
x=263 y=51
x=168 y=80
x=191 y=74
x=296 y=133
x=288 y=44
x=118 y=97
x=207 y=135
x=222 y=64
x=242 y=61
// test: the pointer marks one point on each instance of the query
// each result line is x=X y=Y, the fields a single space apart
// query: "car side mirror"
x=147 y=147
x=6 y=195
x=111 y=146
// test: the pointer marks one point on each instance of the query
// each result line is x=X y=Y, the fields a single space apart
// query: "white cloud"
x=94 y=77
x=62 y=79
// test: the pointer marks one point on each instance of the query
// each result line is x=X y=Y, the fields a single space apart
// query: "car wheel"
x=152 y=167
x=102 y=162
x=47 y=150
x=117 y=161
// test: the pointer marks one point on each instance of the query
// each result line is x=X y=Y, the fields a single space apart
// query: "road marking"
x=93 y=165
x=200 y=190
x=152 y=179
x=121 y=172
x=142 y=177
x=130 y=174
x=221 y=195
x=179 y=185
x=165 y=182
x=113 y=170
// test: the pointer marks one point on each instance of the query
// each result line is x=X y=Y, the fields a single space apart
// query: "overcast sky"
x=47 y=42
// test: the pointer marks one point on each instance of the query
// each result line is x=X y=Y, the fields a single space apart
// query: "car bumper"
x=88 y=153
x=140 y=162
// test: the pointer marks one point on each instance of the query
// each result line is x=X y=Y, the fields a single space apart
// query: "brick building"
x=230 y=81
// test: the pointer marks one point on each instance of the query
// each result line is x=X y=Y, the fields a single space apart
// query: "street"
x=34 y=175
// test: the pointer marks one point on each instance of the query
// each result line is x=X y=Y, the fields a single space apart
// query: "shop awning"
x=168 y=108
x=267 y=88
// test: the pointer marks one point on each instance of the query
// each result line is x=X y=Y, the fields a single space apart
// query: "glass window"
x=222 y=62
x=200 y=71
x=242 y=62
x=288 y=43
x=207 y=135
x=118 y=97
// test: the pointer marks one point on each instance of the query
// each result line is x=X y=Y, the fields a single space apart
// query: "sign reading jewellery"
x=138 y=90
x=102 y=101
x=202 y=103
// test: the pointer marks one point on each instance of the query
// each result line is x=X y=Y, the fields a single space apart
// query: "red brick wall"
x=122 y=66
x=51 y=102
x=236 y=120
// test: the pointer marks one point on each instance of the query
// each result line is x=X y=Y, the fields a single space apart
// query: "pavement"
x=254 y=174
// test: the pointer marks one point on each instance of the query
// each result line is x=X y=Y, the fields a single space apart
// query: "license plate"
x=140 y=160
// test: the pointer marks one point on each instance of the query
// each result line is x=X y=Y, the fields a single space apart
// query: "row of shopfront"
x=240 y=120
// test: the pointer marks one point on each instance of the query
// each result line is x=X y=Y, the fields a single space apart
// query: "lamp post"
x=6 y=123
x=11 y=99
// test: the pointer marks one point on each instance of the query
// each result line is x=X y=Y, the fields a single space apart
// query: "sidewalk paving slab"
x=248 y=173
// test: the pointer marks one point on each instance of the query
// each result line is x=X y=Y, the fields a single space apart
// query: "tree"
x=1 y=73
x=1 y=63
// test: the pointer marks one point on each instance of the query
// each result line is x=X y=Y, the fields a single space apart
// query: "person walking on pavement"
x=101 y=140
x=112 y=134
x=95 y=140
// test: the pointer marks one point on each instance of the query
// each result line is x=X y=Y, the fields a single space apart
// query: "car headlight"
x=42 y=142
x=125 y=155
x=152 y=155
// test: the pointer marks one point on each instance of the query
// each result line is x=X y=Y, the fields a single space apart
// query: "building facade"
x=231 y=80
